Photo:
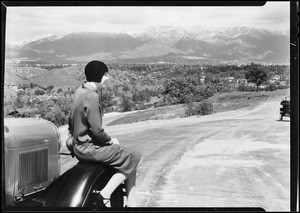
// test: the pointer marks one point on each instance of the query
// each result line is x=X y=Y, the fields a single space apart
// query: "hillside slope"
x=56 y=78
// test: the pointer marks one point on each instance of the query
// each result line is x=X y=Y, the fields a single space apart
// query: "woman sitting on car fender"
x=90 y=141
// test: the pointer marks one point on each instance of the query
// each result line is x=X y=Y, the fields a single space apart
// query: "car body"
x=31 y=158
x=32 y=170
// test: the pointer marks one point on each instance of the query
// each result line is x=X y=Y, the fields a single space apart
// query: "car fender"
x=71 y=189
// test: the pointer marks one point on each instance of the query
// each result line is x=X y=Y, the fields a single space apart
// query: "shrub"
x=206 y=107
x=198 y=108
x=126 y=104
x=39 y=92
x=106 y=100
x=282 y=87
x=209 y=92
x=56 y=116
x=271 y=87
x=190 y=109
x=244 y=88
x=177 y=90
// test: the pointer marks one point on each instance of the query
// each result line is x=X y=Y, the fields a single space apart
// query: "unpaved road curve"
x=233 y=159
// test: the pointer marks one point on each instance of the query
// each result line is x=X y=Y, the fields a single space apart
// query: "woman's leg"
x=116 y=180
x=130 y=190
x=112 y=184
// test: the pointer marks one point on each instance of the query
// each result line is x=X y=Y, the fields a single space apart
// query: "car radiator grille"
x=33 y=167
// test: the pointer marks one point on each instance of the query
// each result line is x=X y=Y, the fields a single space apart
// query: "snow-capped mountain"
x=30 y=40
x=162 y=43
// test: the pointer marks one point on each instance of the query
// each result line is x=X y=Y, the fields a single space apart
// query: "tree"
x=64 y=104
x=256 y=74
x=106 y=99
x=126 y=103
x=20 y=99
x=56 y=116
x=179 y=90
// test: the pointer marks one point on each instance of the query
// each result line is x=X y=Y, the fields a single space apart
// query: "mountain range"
x=200 y=44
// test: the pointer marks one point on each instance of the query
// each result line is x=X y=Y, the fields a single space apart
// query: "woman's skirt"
x=122 y=159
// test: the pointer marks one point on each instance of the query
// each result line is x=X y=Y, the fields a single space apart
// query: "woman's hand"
x=114 y=141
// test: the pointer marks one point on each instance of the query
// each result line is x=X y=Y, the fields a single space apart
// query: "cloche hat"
x=95 y=70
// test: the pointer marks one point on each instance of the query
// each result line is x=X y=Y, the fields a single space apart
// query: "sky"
x=23 y=23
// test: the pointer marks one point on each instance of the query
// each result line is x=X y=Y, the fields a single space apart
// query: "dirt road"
x=231 y=159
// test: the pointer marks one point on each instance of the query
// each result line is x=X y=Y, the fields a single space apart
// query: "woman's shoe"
x=105 y=201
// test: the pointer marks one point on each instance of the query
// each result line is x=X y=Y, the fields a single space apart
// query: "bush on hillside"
x=199 y=108
x=106 y=99
x=126 y=104
x=57 y=117
x=39 y=92
x=245 y=88
x=180 y=90
x=271 y=87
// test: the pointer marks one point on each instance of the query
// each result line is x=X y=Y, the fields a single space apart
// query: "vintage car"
x=285 y=109
x=32 y=170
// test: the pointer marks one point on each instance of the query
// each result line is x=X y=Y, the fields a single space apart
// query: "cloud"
x=275 y=14
x=30 y=21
